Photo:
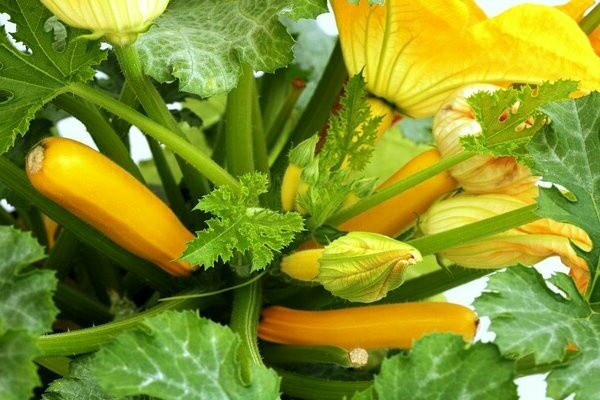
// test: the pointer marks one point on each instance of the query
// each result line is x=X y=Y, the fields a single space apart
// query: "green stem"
x=61 y=256
x=58 y=365
x=155 y=107
x=432 y=284
x=273 y=91
x=259 y=142
x=127 y=97
x=276 y=354
x=176 y=144
x=105 y=137
x=591 y=21
x=432 y=244
x=34 y=221
x=176 y=200
x=15 y=179
x=90 y=339
x=317 y=111
x=247 y=303
x=397 y=188
x=309 y=388
x=238 y=125
x=80 y=306
x=275 y=129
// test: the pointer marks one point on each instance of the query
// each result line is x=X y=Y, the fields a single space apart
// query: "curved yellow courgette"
x=104 y=195
x=372 y=327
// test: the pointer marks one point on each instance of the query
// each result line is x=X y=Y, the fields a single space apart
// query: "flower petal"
x=414 y=53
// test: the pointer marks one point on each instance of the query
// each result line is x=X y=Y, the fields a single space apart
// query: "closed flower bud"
x=480 y=174
x=302 y=265
x=527 y=244
x=363 y=267
x=119 y=21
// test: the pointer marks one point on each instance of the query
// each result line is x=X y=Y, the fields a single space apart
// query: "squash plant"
x=309 y=199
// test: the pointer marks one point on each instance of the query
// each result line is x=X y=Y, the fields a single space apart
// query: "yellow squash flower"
x=416 y=52
x=527 y=244
x=481 y=174
x=119 y=21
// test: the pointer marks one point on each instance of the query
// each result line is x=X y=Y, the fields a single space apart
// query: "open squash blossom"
x=576 y=9
x=119 y=21
x=483 y=173
x=104 y=195
x=372 y=327
x=416 y=52
x=527 y=244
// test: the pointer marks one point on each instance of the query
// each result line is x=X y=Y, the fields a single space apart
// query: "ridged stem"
x=591 y=21
x=106 y=138
x=213 y=171
x=157 y=109
x=309 y=388
x=90 y=339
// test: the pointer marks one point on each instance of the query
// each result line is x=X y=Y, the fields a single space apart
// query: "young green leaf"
x=334 y=173
x=38 y=65
x=242 y=225
x=443 y=366
x=26 y=311
x=204 y=43
x=178 y=355
x=510 y=117
x=566 y=153
x=352 y=131
x=530 y=318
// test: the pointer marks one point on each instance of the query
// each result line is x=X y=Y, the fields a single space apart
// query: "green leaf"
x=334 y=174
x=510 y=117
x=79 y=384
x=26 y=311
x=204 y=43
x=178 y=355
x=352 y=131
x=531 y=318
x=242 y=225
x=443 y=366
x=18 y=372
x=25 y=295
x=39 y=67
x=528 y=318
x=566 y=153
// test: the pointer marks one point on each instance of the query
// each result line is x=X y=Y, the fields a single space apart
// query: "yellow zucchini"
x=371 y=327
x=98 y=191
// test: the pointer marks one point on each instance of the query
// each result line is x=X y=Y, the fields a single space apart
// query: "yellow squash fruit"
x=371 y=327
x=107 y=197
x=119 y=21
x=399 y=213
